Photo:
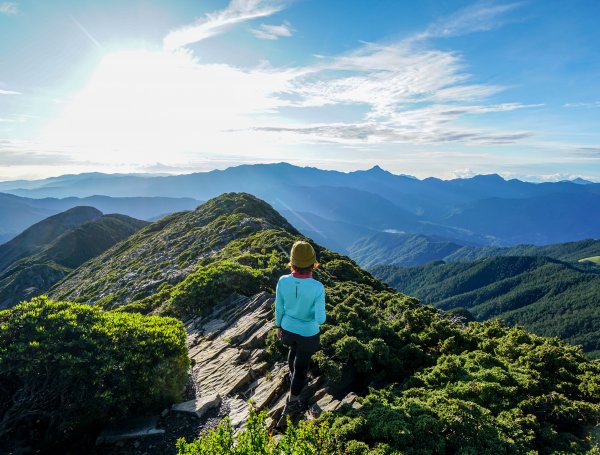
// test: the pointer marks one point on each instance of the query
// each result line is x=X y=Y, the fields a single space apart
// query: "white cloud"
x=9 y=92
x=217 y=22
x=272 y=32
x=9 y=8
x=146 y=107
x=142 y=105
x=480 y=17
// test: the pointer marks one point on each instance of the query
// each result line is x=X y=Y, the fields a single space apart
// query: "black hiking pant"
x=301 y=350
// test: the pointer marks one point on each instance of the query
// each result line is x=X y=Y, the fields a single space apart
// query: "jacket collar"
x=302 y=275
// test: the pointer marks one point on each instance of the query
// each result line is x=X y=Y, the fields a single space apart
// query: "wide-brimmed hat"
x=303 y=254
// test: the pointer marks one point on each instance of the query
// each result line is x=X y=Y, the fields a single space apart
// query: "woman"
x=299 y=311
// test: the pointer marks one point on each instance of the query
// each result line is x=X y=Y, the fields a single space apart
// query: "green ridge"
x=55 y=256
x=428 y=384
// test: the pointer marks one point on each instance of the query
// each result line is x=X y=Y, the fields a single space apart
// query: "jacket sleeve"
x=279 y=306
x=320 y=307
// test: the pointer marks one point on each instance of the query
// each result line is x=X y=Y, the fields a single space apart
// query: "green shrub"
x=210 y=284
x=494 y=390
x=309 y=438
x=67 y=367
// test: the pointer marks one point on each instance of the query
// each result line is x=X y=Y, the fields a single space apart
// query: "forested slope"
x=547 y=296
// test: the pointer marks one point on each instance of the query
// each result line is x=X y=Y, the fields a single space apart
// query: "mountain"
x=52 y=248
x=401 y=249
x=553 y=218
x=388 y=365
x=418 y=249
x=475 y=210
x=568 y=252
x=394 y=373
x=19 y=213
x=17 y=216
x=41 y=234
x=547 y=296
x=335 y=235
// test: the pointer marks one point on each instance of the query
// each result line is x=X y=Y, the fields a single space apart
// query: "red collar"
x=302 y=275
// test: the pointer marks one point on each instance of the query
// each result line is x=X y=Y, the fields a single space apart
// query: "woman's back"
x=302 y=304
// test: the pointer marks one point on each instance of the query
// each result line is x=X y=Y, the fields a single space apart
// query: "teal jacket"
x=299 y=305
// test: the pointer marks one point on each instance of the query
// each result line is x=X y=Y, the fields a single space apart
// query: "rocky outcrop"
x=231 y=369
x=227 y=348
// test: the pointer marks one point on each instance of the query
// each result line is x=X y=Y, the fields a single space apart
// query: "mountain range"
x=484 y=210
x=396 y=375
x=50 y=249
x=393 y=373
x=18 y=213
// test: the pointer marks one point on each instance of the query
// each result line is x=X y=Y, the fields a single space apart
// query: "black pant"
x=301 y=350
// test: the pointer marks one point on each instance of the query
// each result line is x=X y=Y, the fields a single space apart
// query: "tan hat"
x=303 y=254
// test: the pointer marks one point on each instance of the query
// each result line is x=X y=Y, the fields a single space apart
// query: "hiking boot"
x=292 y=408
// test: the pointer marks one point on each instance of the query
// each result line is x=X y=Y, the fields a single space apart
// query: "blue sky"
x=428 y=88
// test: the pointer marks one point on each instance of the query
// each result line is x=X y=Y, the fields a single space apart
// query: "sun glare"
x=159 y=106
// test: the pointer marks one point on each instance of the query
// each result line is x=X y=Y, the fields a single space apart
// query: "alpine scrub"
x=309 y=438
x=67 y=367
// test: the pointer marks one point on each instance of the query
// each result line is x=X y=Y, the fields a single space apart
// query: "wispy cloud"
x=374 y=96
x=217 y=22
x=9 y=92
x=28 y=153
x=590 y=152
x=273 y=32
x=591 y=104
x=480 y=17
x=9 y=8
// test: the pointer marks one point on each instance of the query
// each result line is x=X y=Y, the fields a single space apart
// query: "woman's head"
x=303 y=258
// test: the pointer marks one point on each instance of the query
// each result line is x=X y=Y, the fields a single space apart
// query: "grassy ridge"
x=593 y=259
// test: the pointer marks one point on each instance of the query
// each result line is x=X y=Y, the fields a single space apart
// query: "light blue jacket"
x=299 y=305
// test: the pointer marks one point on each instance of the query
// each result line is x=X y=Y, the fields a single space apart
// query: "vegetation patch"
x=66 y=368
x=592 y=259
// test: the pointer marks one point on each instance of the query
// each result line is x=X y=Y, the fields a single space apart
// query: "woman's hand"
x=279 y=333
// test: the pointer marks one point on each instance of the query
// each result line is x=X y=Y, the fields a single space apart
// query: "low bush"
x=309 y=438
x=210 y=284
x=67 y=367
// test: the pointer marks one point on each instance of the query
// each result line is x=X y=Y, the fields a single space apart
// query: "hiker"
x=299 y=311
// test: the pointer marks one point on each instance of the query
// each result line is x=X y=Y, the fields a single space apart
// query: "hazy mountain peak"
x=581 y=181
x=489 y=178
x=378 y=170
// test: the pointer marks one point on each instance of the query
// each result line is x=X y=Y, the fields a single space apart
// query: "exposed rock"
x=199 y=406
x=227 y=348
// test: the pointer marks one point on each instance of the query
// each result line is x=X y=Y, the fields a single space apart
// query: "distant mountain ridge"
x=473 y=210
x=418 y=249
x=41 y=234
x=547 y=296
x=49 y=250
x=18 y=213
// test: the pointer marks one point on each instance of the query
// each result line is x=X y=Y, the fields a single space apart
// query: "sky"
x=426 y=88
